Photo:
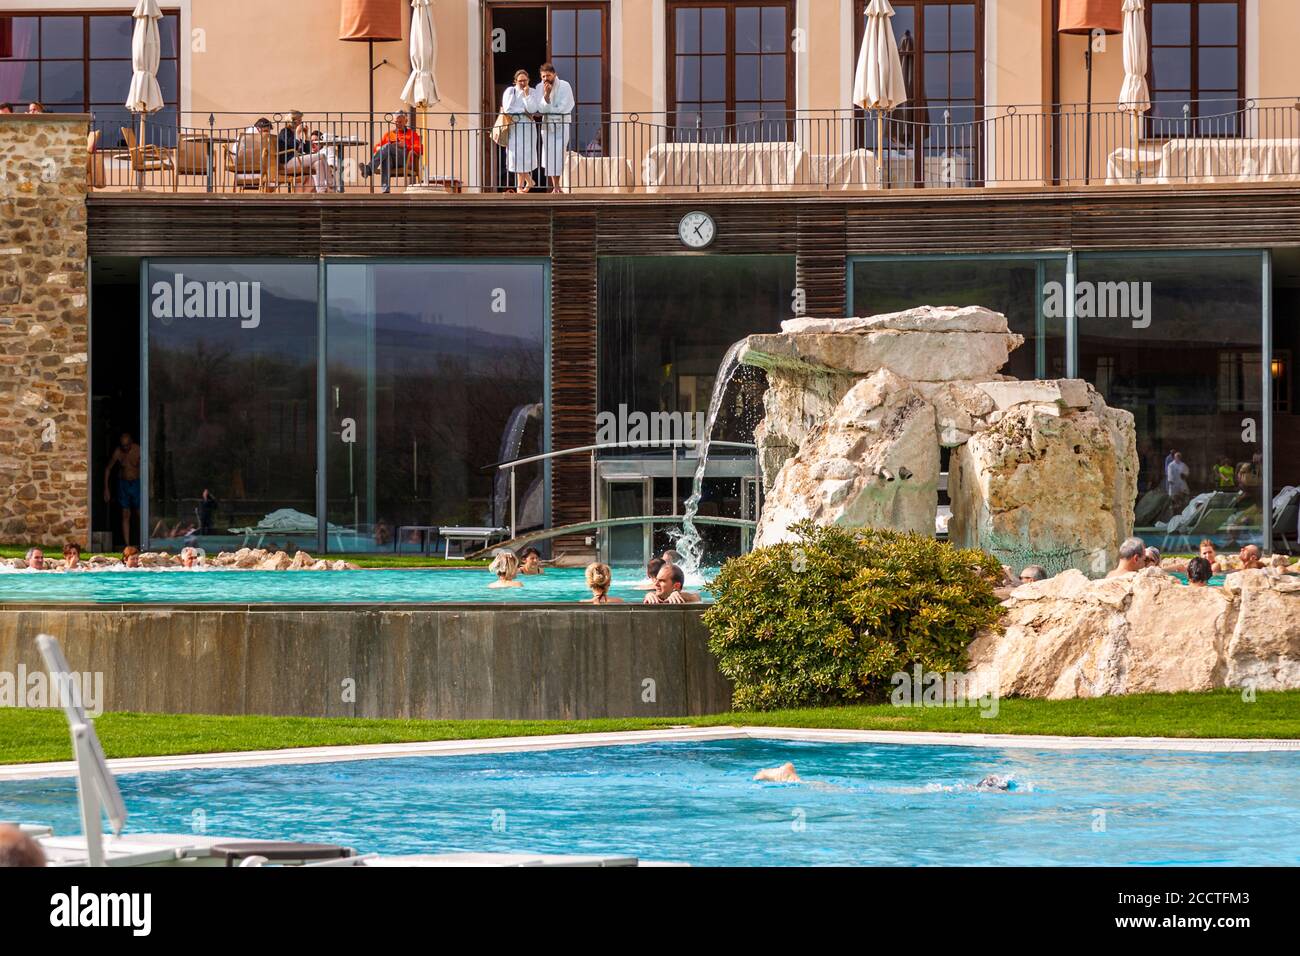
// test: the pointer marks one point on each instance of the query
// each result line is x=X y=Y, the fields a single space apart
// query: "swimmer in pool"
x=782 y=774
x=995 y=782
x=506 y=567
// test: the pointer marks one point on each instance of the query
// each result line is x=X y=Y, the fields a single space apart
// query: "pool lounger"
x=98 y=795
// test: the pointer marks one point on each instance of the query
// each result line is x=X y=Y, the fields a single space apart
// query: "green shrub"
x=829 y=618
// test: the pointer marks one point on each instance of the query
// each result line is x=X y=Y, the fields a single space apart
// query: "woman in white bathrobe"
x=521 y=102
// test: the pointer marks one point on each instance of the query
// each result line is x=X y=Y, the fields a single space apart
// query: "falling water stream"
x=689 y=542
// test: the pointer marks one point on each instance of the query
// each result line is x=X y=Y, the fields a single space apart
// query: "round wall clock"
x=697 y=230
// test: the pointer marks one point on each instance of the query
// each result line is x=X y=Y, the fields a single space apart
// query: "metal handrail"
x=593 y=450
x=915 y=146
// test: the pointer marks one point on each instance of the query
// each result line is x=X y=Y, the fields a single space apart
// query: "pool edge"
x=458 y=748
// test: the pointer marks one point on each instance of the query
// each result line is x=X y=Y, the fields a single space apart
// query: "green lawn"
x=28 y=736
x=365 y=560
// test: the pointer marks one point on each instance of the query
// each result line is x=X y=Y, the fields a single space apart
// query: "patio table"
x=341 y=144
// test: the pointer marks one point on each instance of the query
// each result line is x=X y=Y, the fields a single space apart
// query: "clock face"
x=697 y=230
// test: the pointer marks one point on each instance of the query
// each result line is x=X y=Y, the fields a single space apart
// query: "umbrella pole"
x=880 y=147
x=139 y=175
x=1087 y=118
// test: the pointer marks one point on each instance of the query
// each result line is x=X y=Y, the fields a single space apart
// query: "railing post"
x=674 y=481
x=513 y=472
x=593 y=484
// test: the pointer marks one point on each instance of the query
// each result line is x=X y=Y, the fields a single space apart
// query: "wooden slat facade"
x=821 y=232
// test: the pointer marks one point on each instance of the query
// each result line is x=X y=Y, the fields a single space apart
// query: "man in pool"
x=669 y=584
x=1132 y=557
x=36 y=559
x=671 y=557
x=131 y=556
x=125 y=458
x=1250 y=558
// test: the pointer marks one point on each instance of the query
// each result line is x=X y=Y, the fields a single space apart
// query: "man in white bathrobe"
x=557 y=105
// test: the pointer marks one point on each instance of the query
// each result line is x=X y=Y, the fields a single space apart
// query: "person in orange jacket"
x=399 y=147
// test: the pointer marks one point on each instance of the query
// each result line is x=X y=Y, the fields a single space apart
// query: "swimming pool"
x=695 y=802
x=397 y=586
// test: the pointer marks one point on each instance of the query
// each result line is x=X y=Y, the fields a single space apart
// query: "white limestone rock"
x=1144 y=632
x=1038 y=488
x=874 y=463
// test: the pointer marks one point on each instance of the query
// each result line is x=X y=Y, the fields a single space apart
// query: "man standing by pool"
x=126 y=458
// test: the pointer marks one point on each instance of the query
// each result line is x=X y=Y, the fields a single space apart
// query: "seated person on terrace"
x=1199 y=572
x=1132 y=557
x=399 y=149
x=295 y=155
x=506 y=567
x=532 y=561
x=36 y=559
x=598 y=579
x=669 y=584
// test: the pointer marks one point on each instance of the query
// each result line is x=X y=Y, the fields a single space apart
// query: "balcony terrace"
x=805 y=152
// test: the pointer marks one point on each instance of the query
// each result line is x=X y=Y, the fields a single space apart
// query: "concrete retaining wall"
x=454 y=662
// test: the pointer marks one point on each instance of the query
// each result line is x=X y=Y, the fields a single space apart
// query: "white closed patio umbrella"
x=878 y=83
x=145 y=97
x=421 y=88
x=1135 y=95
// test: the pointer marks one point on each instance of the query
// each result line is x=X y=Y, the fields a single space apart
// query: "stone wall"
x=550 y=662
x=44 y=331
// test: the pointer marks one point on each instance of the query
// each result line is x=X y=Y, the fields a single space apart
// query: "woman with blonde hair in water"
x=506 y=567
x=598 y=579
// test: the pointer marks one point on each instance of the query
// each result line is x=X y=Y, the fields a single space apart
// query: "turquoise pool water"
x=696 y=803
x=416 y=586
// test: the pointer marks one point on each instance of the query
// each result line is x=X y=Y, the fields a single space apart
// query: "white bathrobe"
x=521 y=153
x=557 y=119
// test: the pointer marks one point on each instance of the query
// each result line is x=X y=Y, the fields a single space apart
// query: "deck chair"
x=1284 y=523
x=252 y=162
x=1213 y=515
x=149 y=158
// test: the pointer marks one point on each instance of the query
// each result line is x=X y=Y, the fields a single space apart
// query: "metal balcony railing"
x=915 y=147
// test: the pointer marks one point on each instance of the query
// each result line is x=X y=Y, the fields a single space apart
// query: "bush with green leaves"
x=830 y=617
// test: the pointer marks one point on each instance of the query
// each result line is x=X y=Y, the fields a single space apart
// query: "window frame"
x=1161 y=128
x=919 y=110
x=729 y=110
x=86 y=59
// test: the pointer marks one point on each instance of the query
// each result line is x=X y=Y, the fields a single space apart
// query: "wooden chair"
x=96 y=174
x=252 y=162
x=149 y=158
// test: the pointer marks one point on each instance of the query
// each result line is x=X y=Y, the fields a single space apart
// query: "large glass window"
x=1197 y=64
x=81 y=63
x=1014 y=286
x=231 y=404
x=665 y=324
x=1188 y=365
x=731 y=75
x=435 y=373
